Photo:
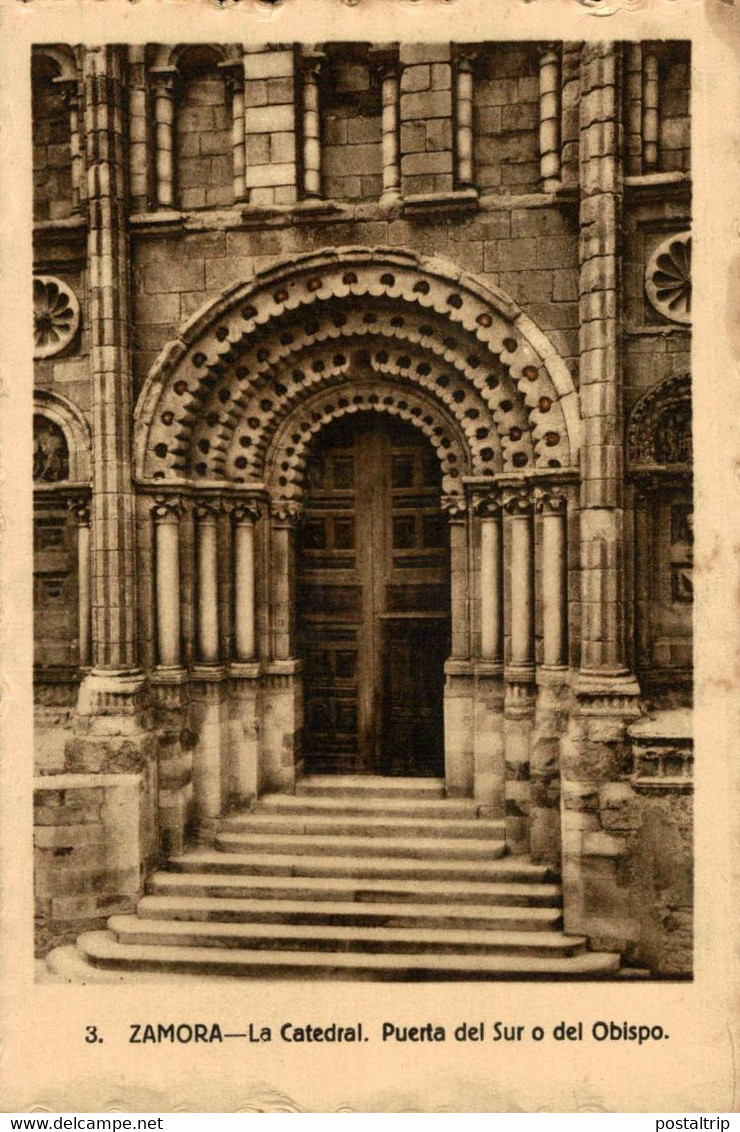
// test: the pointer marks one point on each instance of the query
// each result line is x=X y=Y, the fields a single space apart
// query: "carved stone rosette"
x=56 y=316
x=668 y=278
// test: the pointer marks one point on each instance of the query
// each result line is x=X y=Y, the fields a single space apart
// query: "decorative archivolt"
x=66 y=418
x=219 y=392
x=659 y=428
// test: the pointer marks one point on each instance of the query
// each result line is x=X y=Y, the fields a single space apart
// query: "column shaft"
x=207 y=596
x=311 y=132
x=550 y=118
x=244 y=629
x=114 y=568
x=650 y=112
x=167 y=583
x=82 y=514
x=164 y=118
x=522 y=596
x=491 y=586
x=464 y=123
x=554 y=582
x=391 y=166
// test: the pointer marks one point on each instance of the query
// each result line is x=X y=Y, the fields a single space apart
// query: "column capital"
x=466 y=55
x=384 y=56
x=286 y=512
x=517 y=502
x=167 y=508
x=166 y=81
x=487 y=502
x=80 y=508
x=550 y=500
x=233 y=75
x=70 y=92
x=454 y=506
x=311 y=59
x=207 y=510
x=245 y=511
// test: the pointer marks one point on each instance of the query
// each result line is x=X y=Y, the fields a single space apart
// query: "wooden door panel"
x=373 y=593
x=414 y=652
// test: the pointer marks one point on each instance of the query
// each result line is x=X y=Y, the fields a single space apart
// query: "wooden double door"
x=373 y=600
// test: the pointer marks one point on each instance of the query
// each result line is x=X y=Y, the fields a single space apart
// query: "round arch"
x=244 y=363
x=75 y=428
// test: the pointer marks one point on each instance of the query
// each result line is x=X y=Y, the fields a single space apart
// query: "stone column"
x=71 y=94
x=519 y=670
x=465 y=177
x=460 y=669
x=234 y=80
x=245 y=515
x=518 y=507
x=165 y=81
x=311 y=63
x=550 y=106
x=80 y=508
x=552 y=505
x=488 y=698
x=166 y=514
x=644 y=500
x=650 y=111
x=488 y=508
x=391 y=162
x=208 y=648
x=138 y=148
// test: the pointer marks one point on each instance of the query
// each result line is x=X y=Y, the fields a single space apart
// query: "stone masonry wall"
x=506 y=115
x=203 y=134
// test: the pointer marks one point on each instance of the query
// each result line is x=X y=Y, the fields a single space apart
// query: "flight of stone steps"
x=350 y=877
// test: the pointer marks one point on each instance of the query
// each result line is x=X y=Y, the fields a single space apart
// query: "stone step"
x=407 y=848
x=101 y=949
x=369 y=785
x=339 y=826
x=361 y=867
x=223 y=909
x=342 y=938
x=367 y=806
x=518 y=887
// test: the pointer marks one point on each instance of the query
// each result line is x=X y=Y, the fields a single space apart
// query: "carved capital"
x=487 y=504
x=517 y=502
x=550 y=501
x=246 y=511
x=80 y=508
x=233 y=73
x=69 y=91
x=454 y=506
x=166 y=81
x=167 y=508
x=286 y=512
x=207 y=510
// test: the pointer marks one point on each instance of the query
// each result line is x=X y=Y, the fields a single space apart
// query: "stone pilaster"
x=602 y=565
x=113 y=689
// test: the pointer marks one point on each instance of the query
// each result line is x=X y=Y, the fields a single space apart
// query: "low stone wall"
x=628 y=839
x=91 y=834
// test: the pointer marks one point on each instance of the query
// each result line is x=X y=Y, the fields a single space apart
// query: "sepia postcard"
x=369 y=594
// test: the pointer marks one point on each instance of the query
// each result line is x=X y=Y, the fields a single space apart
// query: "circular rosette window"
x=668 y=278
x=56 y=315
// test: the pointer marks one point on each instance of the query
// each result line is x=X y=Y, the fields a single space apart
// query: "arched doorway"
x=373 y=600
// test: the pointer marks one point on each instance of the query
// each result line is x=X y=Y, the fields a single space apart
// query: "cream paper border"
x=45 y=1064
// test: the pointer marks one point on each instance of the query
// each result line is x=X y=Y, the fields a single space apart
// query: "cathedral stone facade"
x=362 y=425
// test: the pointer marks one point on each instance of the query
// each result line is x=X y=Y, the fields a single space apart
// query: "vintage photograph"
x=363 y=510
